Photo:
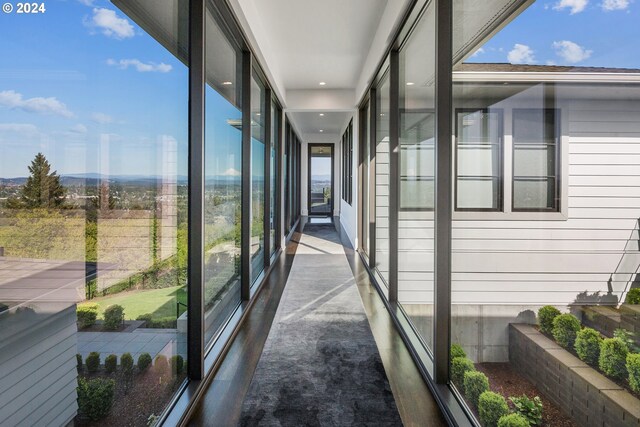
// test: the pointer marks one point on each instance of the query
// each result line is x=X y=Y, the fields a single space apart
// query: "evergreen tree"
x=43 y=188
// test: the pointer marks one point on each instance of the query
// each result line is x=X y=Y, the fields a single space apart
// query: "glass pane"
x=533 y=193
x=382 y=179
x=565 y=76
x=257 y=177
x=477 y=160
x=93 y=212
x=275 y=132
x=478 y=193
x=417 y=167
x=364 y=147
x=223 y=169
x=533 y=160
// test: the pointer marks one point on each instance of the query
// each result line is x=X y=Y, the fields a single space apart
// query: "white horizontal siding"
x=551 y=260
x=38 y=376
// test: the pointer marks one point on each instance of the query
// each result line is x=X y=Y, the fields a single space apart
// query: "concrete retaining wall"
x=580 y=391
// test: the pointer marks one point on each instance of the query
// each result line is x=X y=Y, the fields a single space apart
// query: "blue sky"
x=599 y=33
x=87 y=87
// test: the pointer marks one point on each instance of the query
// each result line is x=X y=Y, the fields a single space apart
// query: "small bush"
x=144 y=361
x=177 y=364
x=93 y=361
x=111 y=363
x=613 y=358
x=95 y=397
x=456 y=351
x=546 y=315
x=491 y=407
x=633 y=368
x=79 y=362
x=113 y=317
x=633 y=296
x=161 y=363
x=588 y=345
x=513 y=420
x=459 y=366
x=529 y=409
x=475 y=383
x=158 y=322
x=126 y=362
x=87 y=315
x=565 y=329
x=629 y=339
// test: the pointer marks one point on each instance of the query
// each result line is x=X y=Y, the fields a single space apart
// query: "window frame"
x=501 y=163
x=557 y=137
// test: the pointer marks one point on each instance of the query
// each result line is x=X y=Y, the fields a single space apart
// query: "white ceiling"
x=304 y=42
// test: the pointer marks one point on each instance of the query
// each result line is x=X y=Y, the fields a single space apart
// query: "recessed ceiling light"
x=321 y=114
x=257 y=114
x=227 y=83
x=322 y=83
x=321 y=130
x=410 y=83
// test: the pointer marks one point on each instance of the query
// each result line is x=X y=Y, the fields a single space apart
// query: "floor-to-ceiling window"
x=258 y=179
x=382 y=178
x=365 y=142
x=223 y=170
x=416 y=176
x=93 y=213
x=274 y=144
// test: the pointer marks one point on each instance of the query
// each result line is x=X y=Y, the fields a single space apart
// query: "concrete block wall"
x=580 y=391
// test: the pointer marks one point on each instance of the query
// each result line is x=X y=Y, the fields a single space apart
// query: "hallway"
x=318 y=348
x=320 y=364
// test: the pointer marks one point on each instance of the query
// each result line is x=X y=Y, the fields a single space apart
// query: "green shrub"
x=633 y=368
x=588 y=345
x=111 y=363
x=491 y=407
x=613 y=358
x=565 y=329
x=168 y=322
x=633 y=296
x=95 y=397
x=79 y=362
x=475 y=383
x=126 y=362
x=87 y=315
x=113 y=317
x=546 y=315
x=93 y=361
x=459 y=366
x=161 y=363
x=529 y=409
x=456 y=351
x=144 y=361
x=177 y=364
x=513 y=420
x=629 y=339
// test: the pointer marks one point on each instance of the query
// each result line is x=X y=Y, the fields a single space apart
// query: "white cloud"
x=521 y=54
x=609 y=5
x=101 y=118
x=140 y=66
x=15 y=100
x=87 y=2
x=571 y=52
x=480 y=51
x=22 y=128
x=575 y=6
x=79 y=128
x=110 y=24
x=231 y=172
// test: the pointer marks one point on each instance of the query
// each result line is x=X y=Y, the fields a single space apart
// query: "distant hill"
x=321 y=177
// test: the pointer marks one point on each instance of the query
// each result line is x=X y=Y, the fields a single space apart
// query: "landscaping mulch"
x=505 y=380
x=149 y=393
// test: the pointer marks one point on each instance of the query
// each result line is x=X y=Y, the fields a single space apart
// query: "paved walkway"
x=152 y=341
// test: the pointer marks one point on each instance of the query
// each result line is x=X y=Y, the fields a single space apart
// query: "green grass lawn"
x=159 y=302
